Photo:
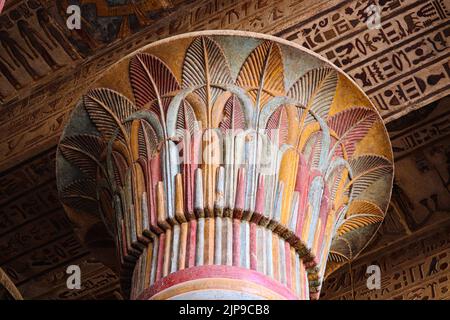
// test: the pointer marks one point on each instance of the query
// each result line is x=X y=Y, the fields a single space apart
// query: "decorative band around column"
x=218 y=278
x=221 y=241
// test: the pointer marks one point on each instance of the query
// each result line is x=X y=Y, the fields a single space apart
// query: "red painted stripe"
x=240 y=194
x=323 y=215
x=259 y=206
x=153 y=178
x=216 y=271
x=161 y=251
x=301 y=186
x=191 y=245
x=188 y=187
x=288 y=264
x=252 y=246
x=236 y=242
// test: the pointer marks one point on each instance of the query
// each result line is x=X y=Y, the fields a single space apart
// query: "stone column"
x=226 y=165
x=7 y=288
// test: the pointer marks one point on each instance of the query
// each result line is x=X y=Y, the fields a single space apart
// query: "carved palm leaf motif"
x=340 y=251
x=146 y=141
x=337 y=177
x=259 y=74
x=108 y=110
x=315 y=91
x=367 y=169
x=188 y=133
x=360 y=214
x=207 y=170
x=81 y=195
x=357 y=222
x=149 y=142
x=152 y=83
x=84 y=151
x=313 y=149
x=277 y=126
x=119 y=168
x=205 y=66
x=364 y=207
x=233 y=116
x=232 y=124
x=352 y=125
x=186 y=121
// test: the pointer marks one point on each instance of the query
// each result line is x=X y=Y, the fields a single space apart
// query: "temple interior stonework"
x=225 y=149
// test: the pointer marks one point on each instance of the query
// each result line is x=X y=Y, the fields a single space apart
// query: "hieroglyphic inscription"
x=39 y=260
x=36 y=236
x=403 y=274
x=33 y=46
x=93 y=285
x=404 y=62
x=422 y=152
x=33 y=235
x=426 y=130
x=26 y=208
x=27 y=176
x=97 y=281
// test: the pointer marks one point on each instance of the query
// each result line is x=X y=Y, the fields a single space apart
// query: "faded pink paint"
x=153 y=176
x=236 y=242
x=301 y=186
x=259 y=203
x=253 y=246
x=160 y=262
x=218 y=271
x=192 y=238
x=287 y=247
x=240 y=194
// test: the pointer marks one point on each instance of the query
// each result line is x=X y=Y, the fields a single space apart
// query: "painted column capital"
x=226 y=165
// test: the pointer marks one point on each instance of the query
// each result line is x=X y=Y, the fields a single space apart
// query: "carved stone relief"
x=416 y=71
x=412 y=245
x=34 y=111
x=257 y=152
x=33 y=46
x=37 y=241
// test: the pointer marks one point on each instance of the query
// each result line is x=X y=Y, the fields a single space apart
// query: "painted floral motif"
x=215 y=148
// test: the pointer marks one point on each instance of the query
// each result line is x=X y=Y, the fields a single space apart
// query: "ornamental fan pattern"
x=225 y=162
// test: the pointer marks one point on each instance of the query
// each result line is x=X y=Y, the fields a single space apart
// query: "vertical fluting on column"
x=234 y=174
